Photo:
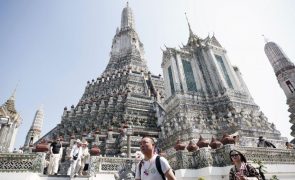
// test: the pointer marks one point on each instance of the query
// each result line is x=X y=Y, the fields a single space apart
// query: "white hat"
x=84 y=142
x=78 y=141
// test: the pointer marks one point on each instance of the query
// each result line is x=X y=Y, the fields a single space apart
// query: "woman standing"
x=84 y=157
x=241 y=170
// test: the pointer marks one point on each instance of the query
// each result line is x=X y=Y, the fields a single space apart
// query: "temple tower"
x=206 y=95
x=285 y=72
x=35 y=131
x=9 y=123
x=122 y=104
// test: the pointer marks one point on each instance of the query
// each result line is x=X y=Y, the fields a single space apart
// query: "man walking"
x=75 y=158
x=147 y=169
x=55 y=156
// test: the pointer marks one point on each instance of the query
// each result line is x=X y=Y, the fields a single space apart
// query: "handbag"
x=75 y=157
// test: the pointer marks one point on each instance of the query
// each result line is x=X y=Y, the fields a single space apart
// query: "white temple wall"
x=283 y=77
x=12 y=140
x=214 y=52
x=181 y=72
x=243 y=86
x=166 y=83
x=231 y=71
x=215 y=76
x=197 y=75
x=175 y=74
x=282 y=171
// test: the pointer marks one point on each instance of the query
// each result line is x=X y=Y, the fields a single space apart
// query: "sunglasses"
x=234 y=155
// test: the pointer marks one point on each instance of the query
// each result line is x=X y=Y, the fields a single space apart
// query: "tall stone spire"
x=35 y=130
x=127 y=20
x=277 y=58
x=285 y=72
x=38 y=120
x=124 y=96
x=127 y=50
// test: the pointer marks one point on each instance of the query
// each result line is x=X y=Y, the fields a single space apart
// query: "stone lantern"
x=215 y=143
x=202 y=142
x=179 y=146
x=192 y=146
x=42 y=146
x=94 y=151
x=227 y=139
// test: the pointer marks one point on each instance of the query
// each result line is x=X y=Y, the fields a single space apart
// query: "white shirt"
x=76 y=150
x=149 y=170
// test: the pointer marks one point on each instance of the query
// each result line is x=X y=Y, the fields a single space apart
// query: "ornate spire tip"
x=189 y=26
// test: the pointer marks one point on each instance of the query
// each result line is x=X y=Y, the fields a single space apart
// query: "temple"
x=207 y=96
x=284 y=70
x=201 y=97
x=10 y=121
x=120 y=104
x=34 y=132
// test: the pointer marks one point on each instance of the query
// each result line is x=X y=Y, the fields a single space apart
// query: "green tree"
x=261 y=168
x=274 y=177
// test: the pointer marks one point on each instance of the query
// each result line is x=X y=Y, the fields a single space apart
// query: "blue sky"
x=52 y=47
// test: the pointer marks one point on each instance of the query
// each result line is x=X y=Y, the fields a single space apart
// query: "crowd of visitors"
x=151 y=166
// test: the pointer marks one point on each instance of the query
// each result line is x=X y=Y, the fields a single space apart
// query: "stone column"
x=3 y=137
x=182 y=160
x=203 y=158
x=129 y=133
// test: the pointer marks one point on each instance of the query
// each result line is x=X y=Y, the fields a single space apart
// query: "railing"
x=35 y=162
x=14 y=162
x=112 y=165
x=125 y=167
x=205 y=157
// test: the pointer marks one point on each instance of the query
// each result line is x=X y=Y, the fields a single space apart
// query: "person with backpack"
x=153 y=166
x=242 y=170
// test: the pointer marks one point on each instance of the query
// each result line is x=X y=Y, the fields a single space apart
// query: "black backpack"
x=158 y=166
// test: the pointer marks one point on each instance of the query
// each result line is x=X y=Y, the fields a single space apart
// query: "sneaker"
x=55 y=174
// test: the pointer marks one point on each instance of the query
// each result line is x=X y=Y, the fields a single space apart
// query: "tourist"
x=75 y=158
x=289 y=145
x=241 y=170
x=20 y=150
x=264 y=143
x=84 y=156
x=148 y=168
x=55 y=156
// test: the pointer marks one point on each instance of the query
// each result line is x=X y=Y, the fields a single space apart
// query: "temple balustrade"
x=17 y=162
x=111 y=165
x=205 y=157
x=35 y=163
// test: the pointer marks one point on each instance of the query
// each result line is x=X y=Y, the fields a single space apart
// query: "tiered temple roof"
x=123 y=97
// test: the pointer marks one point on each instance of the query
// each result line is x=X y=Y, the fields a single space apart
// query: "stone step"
x=62 y=177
